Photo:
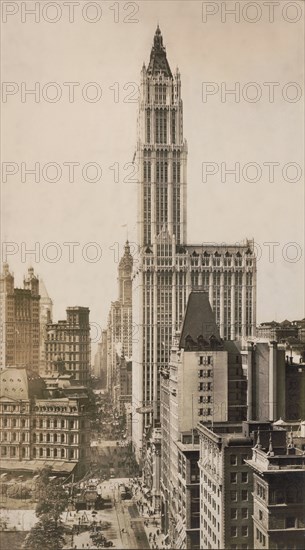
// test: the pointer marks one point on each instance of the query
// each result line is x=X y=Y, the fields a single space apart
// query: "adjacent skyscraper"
x=68 y=345
x=19 y=318
x=120 y=326
x=168 y=268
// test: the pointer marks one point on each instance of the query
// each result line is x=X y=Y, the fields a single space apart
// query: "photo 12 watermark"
x=252 y=12
x=70 y=12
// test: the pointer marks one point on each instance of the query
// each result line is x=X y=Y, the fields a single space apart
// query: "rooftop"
x=199 y=327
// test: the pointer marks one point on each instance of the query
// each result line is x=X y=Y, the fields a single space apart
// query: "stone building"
x=203 y=382
x=278 y=469
x=120 y=325
x=45 y=317
x=19 y=319
x=100 y=360
x=41 y=425
x=275 y=380
x=169 y=268
x=226 y=484
x=68 y=346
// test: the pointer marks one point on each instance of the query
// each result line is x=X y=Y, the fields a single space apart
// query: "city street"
x=126 y=529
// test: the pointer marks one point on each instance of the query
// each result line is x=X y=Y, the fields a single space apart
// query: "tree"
x=51 y=496
x=46 y=534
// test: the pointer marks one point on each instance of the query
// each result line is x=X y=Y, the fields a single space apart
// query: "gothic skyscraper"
x=169 y=268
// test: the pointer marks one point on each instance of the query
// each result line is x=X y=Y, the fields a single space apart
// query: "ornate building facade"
x=40 y=424
x=120 y=325
x=19 y=319
x=168 y=267
x=45 y=317
x=68 y=345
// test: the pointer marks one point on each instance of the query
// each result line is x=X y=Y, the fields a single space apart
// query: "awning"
x=32 y=465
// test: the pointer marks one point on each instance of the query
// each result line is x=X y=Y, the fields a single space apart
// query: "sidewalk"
x=152 y=519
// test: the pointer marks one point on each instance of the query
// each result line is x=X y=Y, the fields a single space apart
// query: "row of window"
x=234 y=477
x=234 y=531
x=244 y=513
x=234 y=495
x=205 y=360
x=205 y=373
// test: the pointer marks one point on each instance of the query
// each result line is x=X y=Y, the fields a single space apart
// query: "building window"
x=233 y=513
x=233 y=460
x=290 y=522
x=244 y=530
x=244 y=495
x=233 y=477
x=244 y=477
x=260 y=515
x=244 y=513
x=262 y=494
x=233 y=531
x=233 y=496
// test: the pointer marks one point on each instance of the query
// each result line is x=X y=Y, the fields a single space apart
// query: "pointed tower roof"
x=6 y=271
x=199 y=321
x=158 y=61
x=127 y=258
x=42 y=290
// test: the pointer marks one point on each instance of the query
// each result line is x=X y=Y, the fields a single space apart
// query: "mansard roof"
x=21 y=383
x=158 y=63
x=199 y=327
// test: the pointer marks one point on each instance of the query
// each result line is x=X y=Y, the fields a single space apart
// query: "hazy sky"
x=218 y=130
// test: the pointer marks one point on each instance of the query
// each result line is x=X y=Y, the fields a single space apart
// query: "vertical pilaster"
x=222 y=306
x=243 y=305
x=233 y=331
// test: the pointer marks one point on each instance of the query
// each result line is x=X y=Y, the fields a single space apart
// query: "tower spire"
x=158 y=63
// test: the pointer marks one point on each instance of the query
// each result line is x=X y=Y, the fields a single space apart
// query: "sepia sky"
x=218 y=130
